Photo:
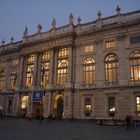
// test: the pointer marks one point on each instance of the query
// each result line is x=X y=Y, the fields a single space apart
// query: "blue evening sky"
x=16 y=14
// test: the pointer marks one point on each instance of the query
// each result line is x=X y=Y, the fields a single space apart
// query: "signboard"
x=38 y=95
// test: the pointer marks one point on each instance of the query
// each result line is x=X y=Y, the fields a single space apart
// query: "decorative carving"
x=39 y=27
x=71 y=19
x=99 y=14
x=118 y=9
x=54 y=23
x=79 y=20
x=12 y=39
x=3 y=41
x=25 y=34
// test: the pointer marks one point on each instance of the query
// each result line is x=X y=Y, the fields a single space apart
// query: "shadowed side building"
x=83 y=71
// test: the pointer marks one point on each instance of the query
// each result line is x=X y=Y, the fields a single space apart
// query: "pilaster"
x=99 y=65
x=20 y=78
x=35 y=70
x=6 y=81
x=122 y=75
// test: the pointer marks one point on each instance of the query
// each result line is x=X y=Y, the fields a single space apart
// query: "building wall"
x=75 y=91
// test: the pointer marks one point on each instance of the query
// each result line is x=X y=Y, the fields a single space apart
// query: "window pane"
x=89 y=71
x=110 y=44
x=135 y=65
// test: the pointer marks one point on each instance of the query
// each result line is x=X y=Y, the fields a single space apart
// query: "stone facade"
x=79 y=99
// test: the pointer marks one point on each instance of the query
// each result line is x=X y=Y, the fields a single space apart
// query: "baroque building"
x=86 y=70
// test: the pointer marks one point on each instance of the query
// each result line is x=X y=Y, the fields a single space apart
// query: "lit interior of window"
x=24 y=102
x=110 y=44
x=89 y=48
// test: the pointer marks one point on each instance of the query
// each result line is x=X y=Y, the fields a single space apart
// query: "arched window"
x=89 y=71
x=62 y=66
x=30 y=70
x=135 y=65
x=13 y=79
x=111 y=68
x=44 y=71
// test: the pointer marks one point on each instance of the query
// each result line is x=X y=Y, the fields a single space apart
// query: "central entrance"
x=58 y=106
x=37 y=109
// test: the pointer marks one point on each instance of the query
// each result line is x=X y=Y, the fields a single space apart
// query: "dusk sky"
x=16 y=14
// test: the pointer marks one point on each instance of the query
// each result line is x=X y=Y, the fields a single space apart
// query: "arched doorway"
x=58 y=106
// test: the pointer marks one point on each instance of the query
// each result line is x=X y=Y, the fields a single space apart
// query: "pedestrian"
x=29 y=117
x=41 y=118
x=128 y=122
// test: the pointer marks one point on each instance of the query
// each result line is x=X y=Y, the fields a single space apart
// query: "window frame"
x=111 y=68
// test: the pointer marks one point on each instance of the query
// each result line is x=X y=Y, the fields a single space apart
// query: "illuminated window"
x=13 y=79
x=62 y=66
x=89 y=71
x=110 y=44
x=63 y=53
x=138 y=105
x=111 y=106
x=111 y=68
x=89 y=48
x=135 y=65
x=88 y=108
x=30 y=70
x=62 y=71
x=44 y=72
x=24 y=102
x=2 y=78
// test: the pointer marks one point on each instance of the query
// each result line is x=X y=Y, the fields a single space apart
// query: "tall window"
x=111 y=106
x=89 y=71
x=30 y=70
x=135 y=65
x=2 y=78
x=138 y=105
x=13 y=79
x=110 y=44
x=62 y=66
x=111 y=68
x=44 y=72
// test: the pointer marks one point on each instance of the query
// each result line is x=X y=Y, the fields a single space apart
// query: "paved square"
x=21 y=129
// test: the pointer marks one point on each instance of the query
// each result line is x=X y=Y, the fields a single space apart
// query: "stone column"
x=52 y=68
x=17 y=107
x=99 y=69
x=122 y=61
x=78 y=77
x=7 y=76
x=21 y=71
x=47 y=105
x=35 y=70
x=70 y=67
x=55 y=67
x=30 y=104
x=16 y=104
x=38 y=68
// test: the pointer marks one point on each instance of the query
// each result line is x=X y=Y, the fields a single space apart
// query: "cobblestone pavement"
x=21 y=129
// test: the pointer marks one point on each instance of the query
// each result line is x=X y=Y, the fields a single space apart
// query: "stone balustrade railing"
x=99 y=23
x=132 y=16
x=112 y=20
x=109 y=20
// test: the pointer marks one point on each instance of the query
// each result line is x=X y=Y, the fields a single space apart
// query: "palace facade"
x=83 y=71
